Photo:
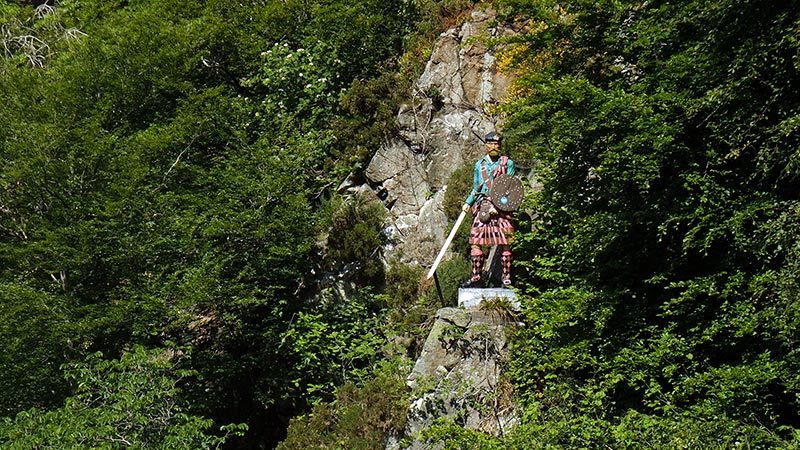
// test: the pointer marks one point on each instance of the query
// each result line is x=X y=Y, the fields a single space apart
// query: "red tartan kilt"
x=499 y=230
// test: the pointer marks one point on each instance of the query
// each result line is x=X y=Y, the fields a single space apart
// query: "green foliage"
x=31 y=375
x=365 y=34
x=368 y=118
x=130 y=402
x=499 y=307
x=32 y=36
x=452 y=274
x=403 y=285
x=448 y=435
x=334 y=343
x=160 y=181
x=297 y=84
x=360 y=418
x=458 y=188
x=355 y=235
x=153 y=190
x=662 y=288
x=435 y=16
x=406 y=294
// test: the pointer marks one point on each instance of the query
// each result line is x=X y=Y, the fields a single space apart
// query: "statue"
x=491 y=223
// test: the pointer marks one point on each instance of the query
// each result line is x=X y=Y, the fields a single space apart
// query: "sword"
x=446 y=244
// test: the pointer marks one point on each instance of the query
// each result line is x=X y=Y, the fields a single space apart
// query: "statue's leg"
x=506 y=258
x=477 y=263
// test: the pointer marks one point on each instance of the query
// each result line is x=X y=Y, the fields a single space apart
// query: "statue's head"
x=493 y=141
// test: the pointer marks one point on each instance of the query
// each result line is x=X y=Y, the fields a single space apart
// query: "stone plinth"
x=471 y=298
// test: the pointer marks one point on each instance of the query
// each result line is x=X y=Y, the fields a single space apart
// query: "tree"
x=662 y=289
x=130 y=402
x=152 y=192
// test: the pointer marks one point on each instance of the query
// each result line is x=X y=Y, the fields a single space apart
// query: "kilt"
x=499 y=230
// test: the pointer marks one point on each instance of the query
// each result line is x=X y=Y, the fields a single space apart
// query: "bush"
x=360 y=418
x=334 y=343
x=451 y=274
x=458 y=187
x=133 y=401
x=354 y=236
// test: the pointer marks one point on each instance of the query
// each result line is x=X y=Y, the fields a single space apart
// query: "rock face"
x=441 y=129
x=457 y=376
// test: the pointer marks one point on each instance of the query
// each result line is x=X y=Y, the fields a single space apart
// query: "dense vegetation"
x=167 y=171
x=662 y=280
x=168 y=180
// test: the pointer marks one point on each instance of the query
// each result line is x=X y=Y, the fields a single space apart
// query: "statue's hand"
x=466 y=208
x=492 y=212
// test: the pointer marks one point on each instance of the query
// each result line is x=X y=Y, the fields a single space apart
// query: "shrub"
x=354 y=236
x=133 y=401
x=458 y=188
x=451 y=274
x=360 y=418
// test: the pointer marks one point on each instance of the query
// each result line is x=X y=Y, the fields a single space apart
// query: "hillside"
x=185 y=261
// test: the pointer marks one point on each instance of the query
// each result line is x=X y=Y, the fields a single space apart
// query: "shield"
x=506 y=192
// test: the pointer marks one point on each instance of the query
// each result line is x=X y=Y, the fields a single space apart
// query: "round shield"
x=506 y=192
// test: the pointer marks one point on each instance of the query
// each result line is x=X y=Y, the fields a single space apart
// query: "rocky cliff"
x=450 y=109
x=457 y=378
x=441 y=129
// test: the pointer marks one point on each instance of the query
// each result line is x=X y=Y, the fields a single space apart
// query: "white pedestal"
x=471 y=298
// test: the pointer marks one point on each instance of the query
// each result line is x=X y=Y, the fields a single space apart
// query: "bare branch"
x=43 y=10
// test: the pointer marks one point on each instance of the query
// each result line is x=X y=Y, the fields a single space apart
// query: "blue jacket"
x=479 y=185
